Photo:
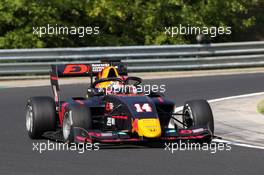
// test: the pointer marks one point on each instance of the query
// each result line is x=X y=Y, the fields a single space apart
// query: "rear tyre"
x=75 y=116
x=40 y=116
x=198 y=113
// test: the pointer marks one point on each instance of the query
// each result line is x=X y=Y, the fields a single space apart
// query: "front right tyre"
x=75 y=116
x=198 y=113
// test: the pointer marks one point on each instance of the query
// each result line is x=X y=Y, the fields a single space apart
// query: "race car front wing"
x=81 y=135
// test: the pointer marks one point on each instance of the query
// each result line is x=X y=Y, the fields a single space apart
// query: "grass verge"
x=260 y=107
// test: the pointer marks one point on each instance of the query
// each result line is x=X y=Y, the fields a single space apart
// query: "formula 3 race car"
x=107 y=115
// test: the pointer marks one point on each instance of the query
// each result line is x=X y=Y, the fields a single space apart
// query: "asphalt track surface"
x=17 y=157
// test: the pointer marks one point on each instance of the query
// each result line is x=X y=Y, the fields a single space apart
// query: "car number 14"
x=143 y=108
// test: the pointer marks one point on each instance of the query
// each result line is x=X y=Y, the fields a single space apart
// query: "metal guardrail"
x=138 y=58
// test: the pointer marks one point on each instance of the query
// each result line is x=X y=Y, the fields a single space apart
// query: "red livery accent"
x=120 y=117
x=76 y=69
x=108 y=107
x=185 y=131
x=135 y=125
x=95 y=134
x=160 y=99
x=81 y=138
x=89 y=140
x=61 y=112
x=192 y=137
x=121 y=140
x=80 y=102
x=53 y=78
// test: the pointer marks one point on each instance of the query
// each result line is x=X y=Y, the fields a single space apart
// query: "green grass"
x=260 y=107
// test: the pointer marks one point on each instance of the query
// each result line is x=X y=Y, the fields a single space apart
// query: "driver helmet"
x=119 y=88
x=115 y=87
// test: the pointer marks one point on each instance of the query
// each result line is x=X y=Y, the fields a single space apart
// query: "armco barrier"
x=138 y=58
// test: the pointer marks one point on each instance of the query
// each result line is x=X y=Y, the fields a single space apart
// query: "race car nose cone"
x=149 y=128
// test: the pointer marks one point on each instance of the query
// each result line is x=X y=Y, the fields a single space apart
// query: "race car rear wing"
x=79 y=70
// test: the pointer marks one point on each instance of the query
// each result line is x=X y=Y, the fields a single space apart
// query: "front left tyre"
x=40 y=116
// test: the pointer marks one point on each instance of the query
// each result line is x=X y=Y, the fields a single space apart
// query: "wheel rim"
x=188 y=118
x=29 y=119
x=67 y=125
